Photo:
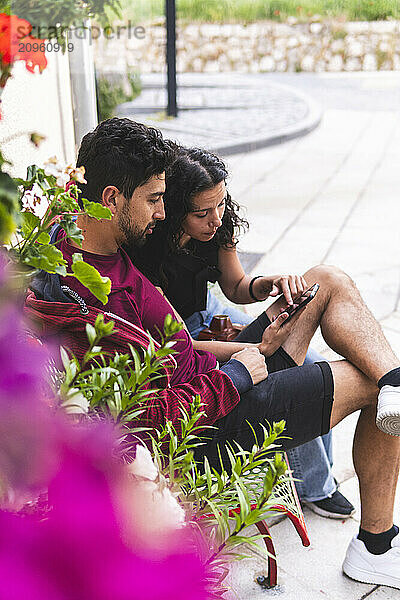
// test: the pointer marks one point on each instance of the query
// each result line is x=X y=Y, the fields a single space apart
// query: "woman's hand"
x=254 y=362
x=276 y=334
x=274 y=285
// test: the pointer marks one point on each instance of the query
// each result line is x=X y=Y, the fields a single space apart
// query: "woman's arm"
x=222 y=350
x=235 y=283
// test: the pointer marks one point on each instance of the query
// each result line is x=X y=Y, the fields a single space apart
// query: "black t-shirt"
x=183 y=276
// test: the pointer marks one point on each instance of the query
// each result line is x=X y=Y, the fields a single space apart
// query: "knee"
x=329 y=276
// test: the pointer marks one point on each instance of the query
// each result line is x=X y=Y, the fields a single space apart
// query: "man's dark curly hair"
x=122 y=153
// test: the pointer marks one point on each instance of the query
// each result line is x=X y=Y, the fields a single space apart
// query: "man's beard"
x=133 y=236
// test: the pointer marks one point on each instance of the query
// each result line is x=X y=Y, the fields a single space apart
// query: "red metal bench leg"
x=271 y=579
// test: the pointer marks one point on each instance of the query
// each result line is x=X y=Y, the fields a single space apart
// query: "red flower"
x=16 y=43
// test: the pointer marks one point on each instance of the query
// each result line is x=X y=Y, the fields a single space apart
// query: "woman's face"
x=202 y=222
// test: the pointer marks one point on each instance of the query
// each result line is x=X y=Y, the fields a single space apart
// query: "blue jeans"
x=312 y=462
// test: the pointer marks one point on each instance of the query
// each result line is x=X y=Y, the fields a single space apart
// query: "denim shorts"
x=302 y=396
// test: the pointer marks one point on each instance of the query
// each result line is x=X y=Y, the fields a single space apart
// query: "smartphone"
x=301 y=301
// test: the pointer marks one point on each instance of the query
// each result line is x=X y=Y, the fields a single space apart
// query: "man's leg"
x=350 y=329
x=347 y=324
x=376 y=454
x=311 y=466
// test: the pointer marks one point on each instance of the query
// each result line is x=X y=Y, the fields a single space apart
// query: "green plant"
x=43 y=202
x=254 y=10
x=51 y=15
x=117 y=389
x=339 y=34
x=111 y=92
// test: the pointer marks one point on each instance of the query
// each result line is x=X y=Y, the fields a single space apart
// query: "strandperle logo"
x=84 y=32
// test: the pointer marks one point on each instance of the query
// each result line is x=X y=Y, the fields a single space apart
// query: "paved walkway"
x=212 y=108
x=331 y=197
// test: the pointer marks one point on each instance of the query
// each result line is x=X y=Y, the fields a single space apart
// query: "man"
x=125 y=164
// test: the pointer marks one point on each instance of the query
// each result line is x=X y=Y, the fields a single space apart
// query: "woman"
x=196 y=244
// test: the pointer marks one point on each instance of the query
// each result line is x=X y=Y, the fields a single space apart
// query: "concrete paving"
x=330 y=197
x=211 y=109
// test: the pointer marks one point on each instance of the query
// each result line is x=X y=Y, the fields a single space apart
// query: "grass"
x=253 y=10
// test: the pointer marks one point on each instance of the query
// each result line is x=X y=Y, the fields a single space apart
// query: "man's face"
x=140 y=213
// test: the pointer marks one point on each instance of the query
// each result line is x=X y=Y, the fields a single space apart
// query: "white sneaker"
x=378 y=569
x=388 y=411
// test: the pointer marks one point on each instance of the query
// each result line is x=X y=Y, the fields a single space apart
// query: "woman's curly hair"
x=193 y=171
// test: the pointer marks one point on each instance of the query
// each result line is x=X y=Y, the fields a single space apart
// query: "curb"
x=244 y=144
x=300 y=129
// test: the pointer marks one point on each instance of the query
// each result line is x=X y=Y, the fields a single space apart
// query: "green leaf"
x=43 y=238
x=91 y=333
x=72 y=230
x=31 y=172
x=46 y=257
x=29 y=222
x=96 y=210
x=9 y=207
x=91 y=278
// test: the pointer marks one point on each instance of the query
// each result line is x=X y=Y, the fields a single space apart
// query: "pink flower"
x=79 y=552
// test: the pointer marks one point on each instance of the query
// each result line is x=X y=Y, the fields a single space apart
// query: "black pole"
x=170 y=10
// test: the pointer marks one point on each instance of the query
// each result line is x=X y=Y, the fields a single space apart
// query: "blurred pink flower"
x=26 y=427
x=79 y=552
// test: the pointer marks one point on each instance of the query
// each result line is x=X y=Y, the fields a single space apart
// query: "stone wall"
x=259 y=47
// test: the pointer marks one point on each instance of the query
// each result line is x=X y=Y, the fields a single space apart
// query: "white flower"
x=62 y=179
x=77 y=174
x=166 y=512
x=76 y=403
x=143 y=465
x=62 y=173
x=52 y=167
x=148 y=494
x=35 y=201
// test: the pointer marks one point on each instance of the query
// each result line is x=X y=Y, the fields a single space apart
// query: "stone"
x=307 y=63
x=234 y=54
x=384 y=47
x=353 y=64
x=254 y=67
x=292 y=21
x=292 y=42
x=384 y=27
x=356 y=27
x=336 y=63
x=315 y=28
x=369 y=62
x=209 y=51
x=281 y=66
x=320 y=66
x=191 y=31
x=267 y=64
x=197 y=65
x=354 y=49
x=337 y=46
x=283 y=30
x=211 y=66
x=278 y=54
x=210 y=30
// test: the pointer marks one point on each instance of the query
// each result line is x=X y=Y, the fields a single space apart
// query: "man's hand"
x=254 y=362
x=273 y=285
x=277 y=333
